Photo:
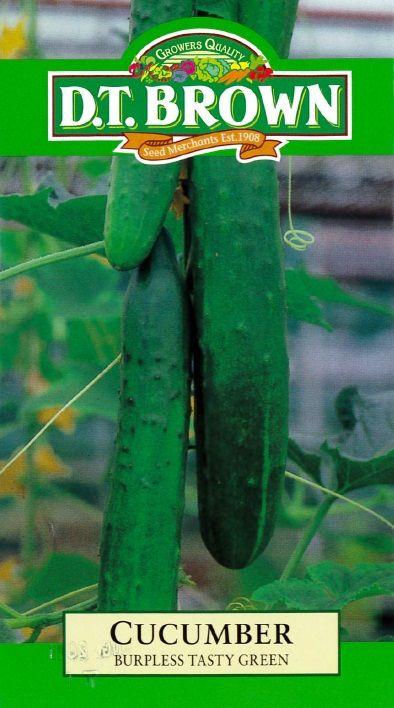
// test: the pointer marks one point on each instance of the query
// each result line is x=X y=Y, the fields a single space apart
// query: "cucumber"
x=241 y=368
x=140 y=541
x=226 y=9
x=140 y=195
x=241 y=362
x=138 y=201
x=273 y=19
x=148 y=13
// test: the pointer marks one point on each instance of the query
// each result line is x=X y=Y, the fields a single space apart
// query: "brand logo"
x=199 y=89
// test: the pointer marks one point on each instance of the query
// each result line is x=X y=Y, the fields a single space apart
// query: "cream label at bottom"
x=203 y=643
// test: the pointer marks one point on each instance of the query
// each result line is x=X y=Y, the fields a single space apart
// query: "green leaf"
x=13 y=247
x=94 y=340
x=362 y=455
x=346 y=585
x=370 y=431
x=256 y=61
x=184 y=580
x=61 y=573
x=308 y=461
x=95 y=167
x=21 y=320
x=84 y=288
x=377 y=543
x=328 y=290
x=10 y=348
x=79 y=220
x=301 y=305
x=291 y=594
x=329 y=586
x=355 y=474
x=305 y=291
x=101 y=400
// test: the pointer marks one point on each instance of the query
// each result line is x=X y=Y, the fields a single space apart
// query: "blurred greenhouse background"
x=58 y=330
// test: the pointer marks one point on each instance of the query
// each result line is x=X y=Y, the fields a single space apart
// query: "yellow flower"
x=11 y=483
x=50 y=634
x=46 y=462
x=9 y=570
x=11 y=579
x=13 y=40
x=24 y=286
x=65 y=422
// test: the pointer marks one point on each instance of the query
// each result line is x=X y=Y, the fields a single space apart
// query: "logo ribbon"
x=155 y=147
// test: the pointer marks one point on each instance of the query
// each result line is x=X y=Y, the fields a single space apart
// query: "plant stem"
x=27 y=175
x=50 y=618
x=342 y=497
x=34 y=635
x=8 y=611
x=61 y=410
x=61 y=599
x=306 y=538
x=32 y=28
x=51 y=258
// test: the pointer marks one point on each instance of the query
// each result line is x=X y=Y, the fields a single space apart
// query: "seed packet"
x=197 y=309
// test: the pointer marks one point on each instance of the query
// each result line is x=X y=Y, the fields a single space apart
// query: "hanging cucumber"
x=273 y=19
x=138 y=201
x=141 y=534
x=226 y=9
x=241 y=363
x=140 y=195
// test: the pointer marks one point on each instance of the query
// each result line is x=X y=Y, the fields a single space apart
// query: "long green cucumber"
x=273 y=19
x=141 y=533
x=226 y=9
x=241 y=371
x=140 y=195
x=241 y=363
